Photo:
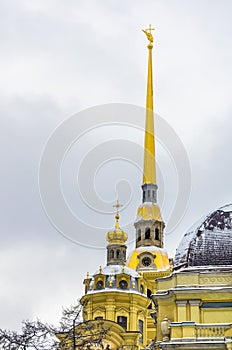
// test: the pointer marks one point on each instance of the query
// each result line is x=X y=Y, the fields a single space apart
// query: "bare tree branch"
x=72 y=333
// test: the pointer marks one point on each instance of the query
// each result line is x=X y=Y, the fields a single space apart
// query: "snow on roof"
x=226 y=208
x=150 y=248
x=114 y=290
x=215 y=222
x=117 y=269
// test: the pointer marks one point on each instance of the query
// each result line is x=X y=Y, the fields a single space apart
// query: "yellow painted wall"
x=180 y=297
x=222 y=315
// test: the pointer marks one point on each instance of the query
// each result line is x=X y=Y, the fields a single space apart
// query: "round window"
x=123 y=284
x=146 y=261
x=99 y=285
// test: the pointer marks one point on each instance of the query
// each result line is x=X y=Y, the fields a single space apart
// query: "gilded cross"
x=117 y=206
x=150 y=29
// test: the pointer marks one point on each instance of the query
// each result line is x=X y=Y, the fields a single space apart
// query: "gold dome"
x=117 y=236
x=149 y=211
x=160 y=257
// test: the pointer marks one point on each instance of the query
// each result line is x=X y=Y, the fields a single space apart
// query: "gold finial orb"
x=149 y=34
x=117 y=216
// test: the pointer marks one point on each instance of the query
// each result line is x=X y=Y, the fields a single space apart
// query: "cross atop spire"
x=150 y=28
x=117 y=206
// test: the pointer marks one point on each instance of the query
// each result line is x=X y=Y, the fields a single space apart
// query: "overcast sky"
x=59 y=58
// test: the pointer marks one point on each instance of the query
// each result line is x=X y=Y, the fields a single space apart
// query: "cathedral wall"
x=194 y=299
x=220 y=315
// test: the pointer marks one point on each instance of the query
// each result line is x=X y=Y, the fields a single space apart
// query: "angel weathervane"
x=148 y=33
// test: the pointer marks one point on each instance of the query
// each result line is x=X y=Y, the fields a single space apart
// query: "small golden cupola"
x=116 y=248
x=115 y=275
x=116 y=283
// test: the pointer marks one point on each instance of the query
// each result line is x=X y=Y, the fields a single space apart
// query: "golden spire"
x=149 y=170
x=117 y=206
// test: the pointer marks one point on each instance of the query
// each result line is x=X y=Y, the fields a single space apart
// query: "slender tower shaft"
x=149 y=224
x=149 y=169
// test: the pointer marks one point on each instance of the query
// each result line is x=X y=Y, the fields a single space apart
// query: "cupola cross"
x=117 y=206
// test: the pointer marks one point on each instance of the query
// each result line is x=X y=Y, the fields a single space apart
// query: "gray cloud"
x=60 y=57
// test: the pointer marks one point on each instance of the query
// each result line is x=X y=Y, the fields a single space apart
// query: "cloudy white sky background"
x=61 y=57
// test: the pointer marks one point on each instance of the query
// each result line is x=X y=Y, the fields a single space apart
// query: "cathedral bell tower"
x=149 y=224
x=149 y=258
x=149 y=254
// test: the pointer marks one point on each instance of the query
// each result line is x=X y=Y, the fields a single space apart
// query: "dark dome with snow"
x=208 y=242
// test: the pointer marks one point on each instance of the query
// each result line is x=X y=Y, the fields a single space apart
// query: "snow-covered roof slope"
x=208 y=241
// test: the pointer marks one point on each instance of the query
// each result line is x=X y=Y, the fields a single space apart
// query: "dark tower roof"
x=208 y=242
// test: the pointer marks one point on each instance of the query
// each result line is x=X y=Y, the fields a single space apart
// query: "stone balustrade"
x=192 y=331
x=211 y=331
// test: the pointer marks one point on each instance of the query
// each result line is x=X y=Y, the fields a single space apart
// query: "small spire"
x=149 y=170
x=117 y=216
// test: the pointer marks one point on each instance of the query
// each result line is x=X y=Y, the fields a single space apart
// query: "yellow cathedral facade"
x=145 y=300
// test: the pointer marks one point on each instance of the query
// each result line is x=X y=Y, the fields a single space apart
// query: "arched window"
x=153 y=194
x=141 y=289
x=139 y=235
x=122 y=321
x=157 y=234
x=147 y=233
x=140 y=326
x=118 y=254
x=111 y=254
x=148 y=193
